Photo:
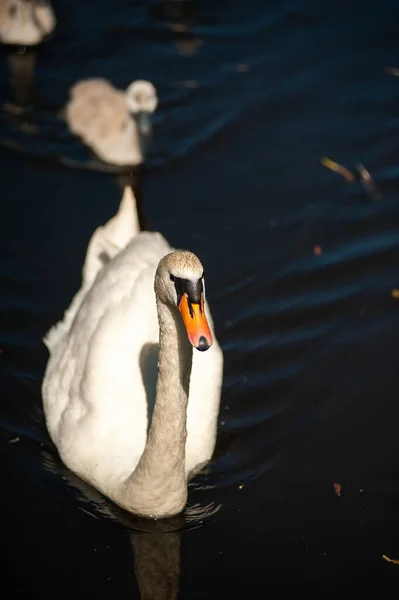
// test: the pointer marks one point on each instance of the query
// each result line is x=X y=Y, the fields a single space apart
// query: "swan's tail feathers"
x=107 y=241
x=129 y=212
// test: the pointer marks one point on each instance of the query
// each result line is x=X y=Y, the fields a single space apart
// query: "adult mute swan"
x=25 y=22
x=131 y=407
x=116 y=124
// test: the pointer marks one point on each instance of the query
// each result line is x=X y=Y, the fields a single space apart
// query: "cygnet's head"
x=25 y=22
x=179 y=282
x=44 y=15
x=142 y=100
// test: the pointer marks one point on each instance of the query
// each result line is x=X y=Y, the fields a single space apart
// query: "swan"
x=132 y=385
x=25 y=22
x=116 y=124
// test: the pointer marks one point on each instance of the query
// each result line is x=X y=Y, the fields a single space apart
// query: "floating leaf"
x=368 y=182
x=337 y=488
x=391 y=560
x=333 y=166
x=392 y=71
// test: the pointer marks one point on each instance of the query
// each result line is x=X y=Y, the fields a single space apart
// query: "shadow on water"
x=155 y=545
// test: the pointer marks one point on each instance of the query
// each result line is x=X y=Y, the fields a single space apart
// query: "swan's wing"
x=97 y=362
x=93 y=86
x=96 y=110
x=106 y=242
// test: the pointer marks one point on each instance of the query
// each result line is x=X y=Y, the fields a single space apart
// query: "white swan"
x=116 y=124
x=25 y=22
x=124 y=350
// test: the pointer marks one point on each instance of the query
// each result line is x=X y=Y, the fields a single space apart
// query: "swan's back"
x=128 y=277
x=93 y=380
x=120 y=279
x=94 y=86
x=98 y=113
x=105 y=243
x=96 y=110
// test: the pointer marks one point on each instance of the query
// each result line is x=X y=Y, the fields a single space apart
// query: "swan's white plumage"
x=94 y=394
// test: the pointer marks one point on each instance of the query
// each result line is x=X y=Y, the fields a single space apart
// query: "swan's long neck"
x=131 y=140
x=159 y=482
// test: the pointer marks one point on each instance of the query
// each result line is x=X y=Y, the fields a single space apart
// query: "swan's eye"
x=172 y=278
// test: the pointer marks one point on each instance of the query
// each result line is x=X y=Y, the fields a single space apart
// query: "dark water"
x=252 y=95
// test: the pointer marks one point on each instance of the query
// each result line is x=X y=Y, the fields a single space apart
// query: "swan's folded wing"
x=96 y=110
x=96 y=353
x=115 y=280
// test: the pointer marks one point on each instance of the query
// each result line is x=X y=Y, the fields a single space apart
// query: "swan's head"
x=142 y=100
x=179 y=282
x=25 y=22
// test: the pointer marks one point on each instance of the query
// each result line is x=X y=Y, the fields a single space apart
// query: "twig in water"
x=333 y=166
x=368 y=183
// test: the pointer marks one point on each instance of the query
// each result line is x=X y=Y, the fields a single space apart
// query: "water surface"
x=300 y=267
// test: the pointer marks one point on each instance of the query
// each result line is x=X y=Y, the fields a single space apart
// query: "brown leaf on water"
x=337 y=488
x=392 y=71
x=190 y=84
x=395 y=293
x=333 y=166
x=317 y=250
x=368 y=183
x=395 y=561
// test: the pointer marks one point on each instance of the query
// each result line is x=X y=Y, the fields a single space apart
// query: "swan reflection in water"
x=24 y=24
x=21 y=65
x=155 y=544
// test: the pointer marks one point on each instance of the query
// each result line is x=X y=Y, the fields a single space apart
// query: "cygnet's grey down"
x=25 y=22
x=115 y=124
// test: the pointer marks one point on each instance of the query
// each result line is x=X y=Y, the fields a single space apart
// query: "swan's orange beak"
x=198 y=330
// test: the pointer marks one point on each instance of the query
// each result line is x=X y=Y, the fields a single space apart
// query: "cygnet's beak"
x=194 y=318
x=144 y=122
